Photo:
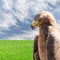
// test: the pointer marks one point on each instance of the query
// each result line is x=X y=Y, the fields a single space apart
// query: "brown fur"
x=35 y=50
x=48 y=40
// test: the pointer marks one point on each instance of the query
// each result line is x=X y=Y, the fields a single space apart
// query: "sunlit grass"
x=16 y=49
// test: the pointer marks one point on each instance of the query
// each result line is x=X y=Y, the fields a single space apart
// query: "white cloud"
x=7 y=21
x=27 y=35
x=7 y=4
x=53 y=2
x=21 y=11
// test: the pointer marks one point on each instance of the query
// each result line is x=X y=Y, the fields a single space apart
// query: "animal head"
x=43 y=18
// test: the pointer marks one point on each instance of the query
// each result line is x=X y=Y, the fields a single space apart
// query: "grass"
x=16 y=49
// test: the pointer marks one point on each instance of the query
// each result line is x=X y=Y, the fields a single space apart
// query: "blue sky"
x=16 y=17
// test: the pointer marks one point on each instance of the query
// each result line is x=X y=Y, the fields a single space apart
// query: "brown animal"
x=49 y=38
x=35 y=50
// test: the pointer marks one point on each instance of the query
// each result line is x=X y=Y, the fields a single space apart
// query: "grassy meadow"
x=16 y=49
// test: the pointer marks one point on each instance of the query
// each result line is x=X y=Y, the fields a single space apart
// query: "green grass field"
x=16 y=49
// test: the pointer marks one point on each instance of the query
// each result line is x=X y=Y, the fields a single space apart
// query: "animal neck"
x=47 y=28
x=43 y=32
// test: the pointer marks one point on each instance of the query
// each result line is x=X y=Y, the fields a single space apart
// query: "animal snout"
x=32 y=26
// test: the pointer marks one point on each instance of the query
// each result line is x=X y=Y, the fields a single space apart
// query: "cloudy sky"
x=16 y=17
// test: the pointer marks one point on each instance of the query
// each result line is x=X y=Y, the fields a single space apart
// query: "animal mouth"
x=32 y=27
x=34 y=24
